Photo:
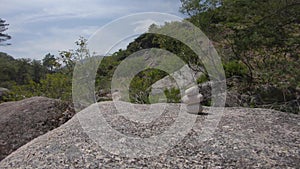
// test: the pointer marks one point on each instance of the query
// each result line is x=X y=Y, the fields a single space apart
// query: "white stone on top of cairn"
x=192 y=91
x=192 y=99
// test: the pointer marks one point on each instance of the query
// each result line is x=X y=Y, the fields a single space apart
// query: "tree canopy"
x=3 y=37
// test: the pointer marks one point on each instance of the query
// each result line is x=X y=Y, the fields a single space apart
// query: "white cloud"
x=54 y=40
x=38 y=27
x=142 y=26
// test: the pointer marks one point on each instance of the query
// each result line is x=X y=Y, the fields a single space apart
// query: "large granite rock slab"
x=24 y=120
x=244 y=138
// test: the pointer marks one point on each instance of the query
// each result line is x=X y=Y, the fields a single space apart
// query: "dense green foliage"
x=19 y=71
x=140 y=86
x=259 y=44
x=26 y=78
x=172 y=95
x=257 y=40
x=53 y=86
x=263 y=35
x=235 y=69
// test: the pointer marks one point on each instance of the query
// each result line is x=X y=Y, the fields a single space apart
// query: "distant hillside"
x=5 y=56
x=7 y=70
x=19 y=71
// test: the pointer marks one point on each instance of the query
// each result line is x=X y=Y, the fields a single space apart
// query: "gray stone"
x=24 y=120
x=192 y=91
x=194 y=108
x=192 y=99
x=244 y=138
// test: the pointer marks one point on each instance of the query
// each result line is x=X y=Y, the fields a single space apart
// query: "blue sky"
x=38 y=27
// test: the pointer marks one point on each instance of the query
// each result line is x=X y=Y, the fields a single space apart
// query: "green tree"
x=261 y=36
x=3 y=37
x=140 y=86
x=70 y=57
x=24 y=71
x=39 y=71
x=50 y=62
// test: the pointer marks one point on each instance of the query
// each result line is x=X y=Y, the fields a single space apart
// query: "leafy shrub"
x=203 y=78
x=173 y=95
x=140 y=86
x=235 y=68
x=57 y=86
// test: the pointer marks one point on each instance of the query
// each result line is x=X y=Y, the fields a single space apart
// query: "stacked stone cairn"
x=192 y=99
